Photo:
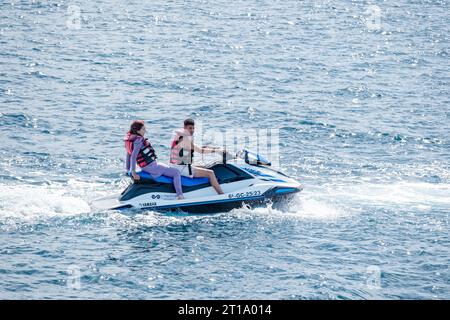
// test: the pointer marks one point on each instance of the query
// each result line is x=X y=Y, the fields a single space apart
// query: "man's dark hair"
x=189 y=122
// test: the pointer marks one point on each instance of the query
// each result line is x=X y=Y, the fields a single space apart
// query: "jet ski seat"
x=185 y=181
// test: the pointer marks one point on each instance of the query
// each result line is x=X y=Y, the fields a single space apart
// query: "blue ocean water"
x=359 y=91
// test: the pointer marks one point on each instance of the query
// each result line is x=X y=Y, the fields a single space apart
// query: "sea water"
x=358 y=92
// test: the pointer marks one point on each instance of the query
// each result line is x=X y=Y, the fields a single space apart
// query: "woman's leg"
x=175 y=174
x=201 y=172
x=161 y=169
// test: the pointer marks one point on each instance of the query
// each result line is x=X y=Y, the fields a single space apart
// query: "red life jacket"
x=177 y=153
x=146 y=155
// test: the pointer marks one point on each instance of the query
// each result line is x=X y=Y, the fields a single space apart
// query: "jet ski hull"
x=215 y=206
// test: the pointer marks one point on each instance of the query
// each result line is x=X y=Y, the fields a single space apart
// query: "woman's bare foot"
x=180 y=197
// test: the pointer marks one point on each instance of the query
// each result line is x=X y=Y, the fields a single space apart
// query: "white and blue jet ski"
x=247 y=180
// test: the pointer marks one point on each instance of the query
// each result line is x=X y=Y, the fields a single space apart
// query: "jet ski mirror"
x=254 y=158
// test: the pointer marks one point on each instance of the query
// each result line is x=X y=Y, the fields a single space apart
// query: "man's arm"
x=206 y=149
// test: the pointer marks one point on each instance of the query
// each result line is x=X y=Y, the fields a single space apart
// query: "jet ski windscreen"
x=254 y=158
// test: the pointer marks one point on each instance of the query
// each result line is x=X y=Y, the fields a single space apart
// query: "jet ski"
x=247 y=180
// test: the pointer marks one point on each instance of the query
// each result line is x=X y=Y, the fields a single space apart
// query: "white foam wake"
x=30 y=201
x=326 y=202
x=27 y=202
x=337 y=200
x=393 y=194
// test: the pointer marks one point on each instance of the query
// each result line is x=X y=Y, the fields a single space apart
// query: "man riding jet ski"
x=182 y=155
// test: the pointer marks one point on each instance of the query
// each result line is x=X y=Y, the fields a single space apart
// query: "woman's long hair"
x=136 y=126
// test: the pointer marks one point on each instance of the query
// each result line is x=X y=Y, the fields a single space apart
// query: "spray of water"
x=326 y=203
